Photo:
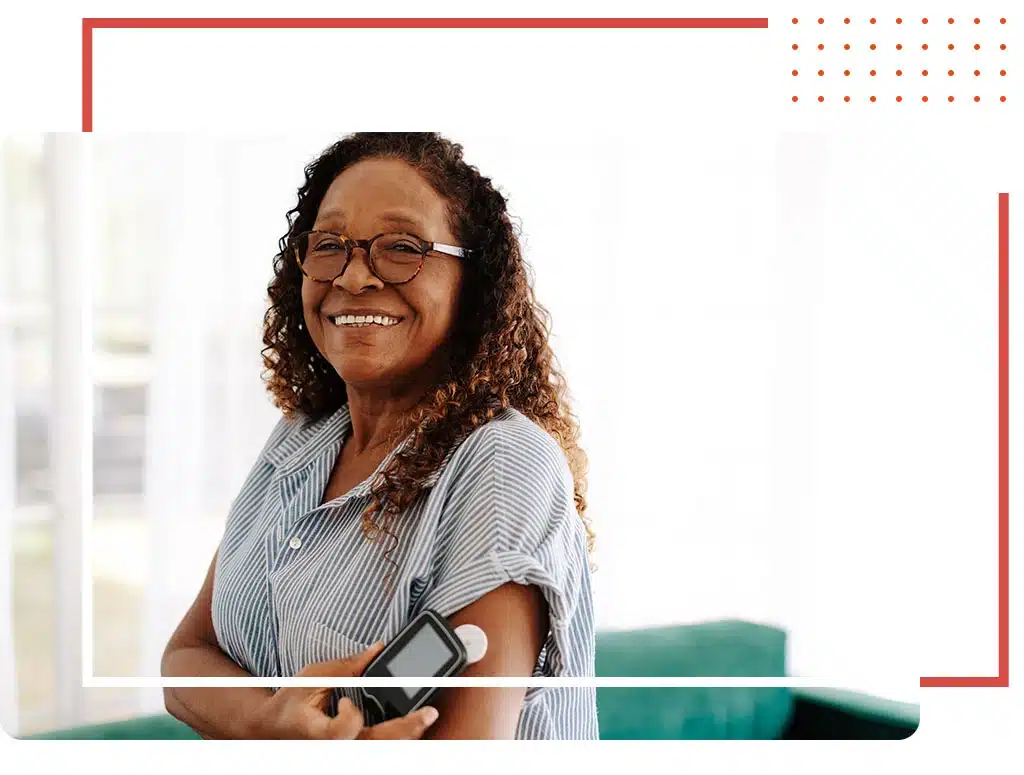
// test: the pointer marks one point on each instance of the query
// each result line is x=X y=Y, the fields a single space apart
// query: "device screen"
x=424 y=655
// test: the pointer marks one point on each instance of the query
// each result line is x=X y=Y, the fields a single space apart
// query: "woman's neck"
x=375 y=415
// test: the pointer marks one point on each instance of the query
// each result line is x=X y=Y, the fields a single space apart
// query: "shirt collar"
x=301 y=449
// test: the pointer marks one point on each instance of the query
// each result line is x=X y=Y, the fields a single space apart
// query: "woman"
x=426 y=458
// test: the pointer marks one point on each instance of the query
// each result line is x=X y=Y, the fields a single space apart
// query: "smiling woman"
x=426 y=458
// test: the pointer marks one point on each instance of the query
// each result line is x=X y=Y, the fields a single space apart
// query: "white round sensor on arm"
x=475 y=641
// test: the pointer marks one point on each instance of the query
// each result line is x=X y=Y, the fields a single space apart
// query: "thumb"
x=348 y=667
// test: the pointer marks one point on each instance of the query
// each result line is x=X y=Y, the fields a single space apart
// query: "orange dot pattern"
x=899 y=47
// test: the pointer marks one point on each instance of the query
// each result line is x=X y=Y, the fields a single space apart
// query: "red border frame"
x=88 y=25
x=1002 y=679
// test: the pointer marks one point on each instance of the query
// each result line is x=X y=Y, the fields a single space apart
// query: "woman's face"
x=372 y=197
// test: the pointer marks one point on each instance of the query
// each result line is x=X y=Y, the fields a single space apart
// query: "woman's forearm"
x=215 y=713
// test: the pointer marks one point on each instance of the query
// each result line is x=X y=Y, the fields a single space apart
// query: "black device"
x=426 y=647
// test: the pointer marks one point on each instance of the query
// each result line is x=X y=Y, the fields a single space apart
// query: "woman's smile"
x=364 y=321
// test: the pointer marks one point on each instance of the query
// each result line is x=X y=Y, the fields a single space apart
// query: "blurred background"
x=686 y=330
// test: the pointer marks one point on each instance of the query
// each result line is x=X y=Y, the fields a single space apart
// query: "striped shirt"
x=297 y=582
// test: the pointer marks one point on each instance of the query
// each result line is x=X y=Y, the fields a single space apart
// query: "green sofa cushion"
x=726 y=649
x=838 y=714
x=160 y=727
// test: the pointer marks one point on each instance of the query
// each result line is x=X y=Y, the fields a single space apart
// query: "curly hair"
x=499 y=355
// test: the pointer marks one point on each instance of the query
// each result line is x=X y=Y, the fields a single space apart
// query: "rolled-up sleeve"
x=509 y=515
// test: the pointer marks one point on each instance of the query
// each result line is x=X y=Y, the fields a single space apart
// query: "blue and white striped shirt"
x=297 y=582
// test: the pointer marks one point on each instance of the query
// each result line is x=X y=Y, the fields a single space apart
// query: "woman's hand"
x=301 y=713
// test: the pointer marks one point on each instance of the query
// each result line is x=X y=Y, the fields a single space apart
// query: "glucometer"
x=426 y=647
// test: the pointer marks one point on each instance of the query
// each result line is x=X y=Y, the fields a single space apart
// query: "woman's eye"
x=404 y=247
x=327 y=246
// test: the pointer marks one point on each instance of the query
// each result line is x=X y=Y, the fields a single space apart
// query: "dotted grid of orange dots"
x=899 y=47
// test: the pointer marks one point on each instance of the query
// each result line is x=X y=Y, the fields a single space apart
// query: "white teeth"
x=360 y=321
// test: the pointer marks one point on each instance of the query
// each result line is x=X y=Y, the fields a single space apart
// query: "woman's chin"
x=364 y=371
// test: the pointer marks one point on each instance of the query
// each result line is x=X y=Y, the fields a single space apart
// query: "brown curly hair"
x=500 y=356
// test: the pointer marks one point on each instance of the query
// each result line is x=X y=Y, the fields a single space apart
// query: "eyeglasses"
x=394 y=259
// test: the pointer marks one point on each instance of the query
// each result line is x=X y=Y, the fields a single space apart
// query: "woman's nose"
x=357 y=276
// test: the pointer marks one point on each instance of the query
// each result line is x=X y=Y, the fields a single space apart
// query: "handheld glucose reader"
x=427 y=646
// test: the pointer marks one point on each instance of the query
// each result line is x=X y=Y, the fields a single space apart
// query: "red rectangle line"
x=86 y=77
x=435 y=23
x=1004 y=438
x=1002 y=680
x=88 y=25
x=964 y=682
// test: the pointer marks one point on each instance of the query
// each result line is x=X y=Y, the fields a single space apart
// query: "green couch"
x=711 y=649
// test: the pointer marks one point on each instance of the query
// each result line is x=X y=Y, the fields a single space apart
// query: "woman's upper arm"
x=515 y=619
x=509 y=558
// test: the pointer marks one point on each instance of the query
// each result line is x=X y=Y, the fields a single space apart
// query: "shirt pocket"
x=324 y=643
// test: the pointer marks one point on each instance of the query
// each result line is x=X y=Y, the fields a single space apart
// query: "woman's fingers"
x=348 y=722
x=349 y=667
x=411 y=727
x=298 y=711
x=309 y=723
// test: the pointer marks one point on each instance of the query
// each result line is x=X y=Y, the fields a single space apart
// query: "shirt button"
x=295 y=543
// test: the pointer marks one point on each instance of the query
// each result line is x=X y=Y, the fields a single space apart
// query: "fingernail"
x=429 y=715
